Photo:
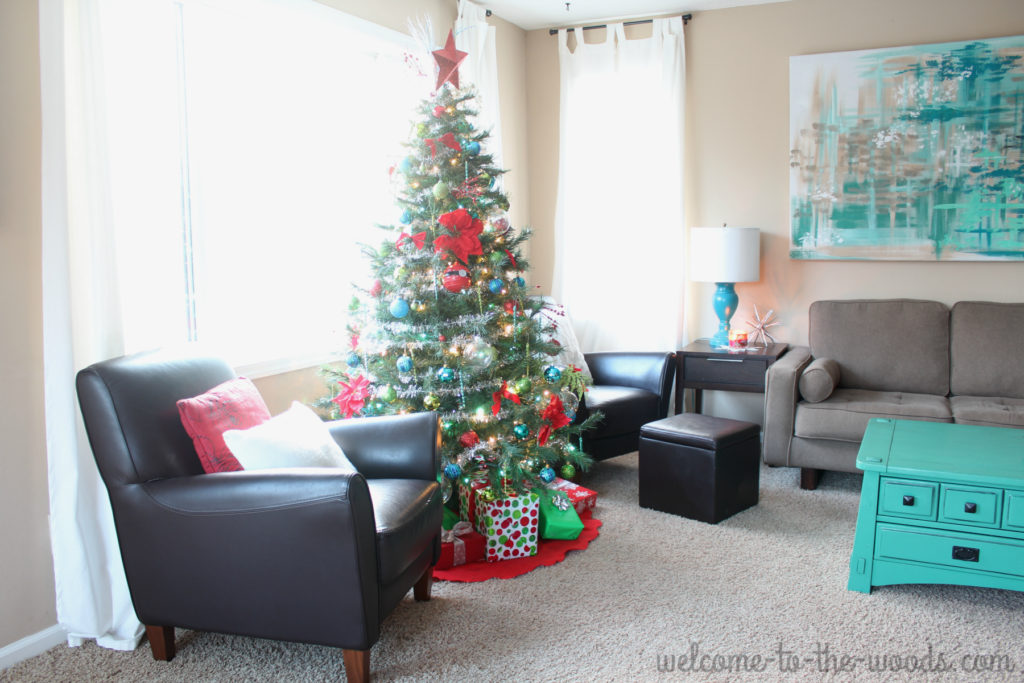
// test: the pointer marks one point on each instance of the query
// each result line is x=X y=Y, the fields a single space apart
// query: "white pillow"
x=295 y=438
x=564 y=335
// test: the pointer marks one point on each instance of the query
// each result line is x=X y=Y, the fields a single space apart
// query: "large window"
x=249 y=148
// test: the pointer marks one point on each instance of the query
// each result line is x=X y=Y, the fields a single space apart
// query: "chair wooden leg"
x=357 y=665
x=161 y=642
x=421 y=591
x=809 y=478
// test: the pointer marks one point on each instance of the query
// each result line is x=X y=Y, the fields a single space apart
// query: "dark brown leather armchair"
x=630 y=389
x=307 y=555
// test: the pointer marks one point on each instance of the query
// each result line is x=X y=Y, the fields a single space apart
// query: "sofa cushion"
x=845 y=414
x=819 y=379
x=992 y=411
x=899 y=345
x=625 y=409
x=985 y=343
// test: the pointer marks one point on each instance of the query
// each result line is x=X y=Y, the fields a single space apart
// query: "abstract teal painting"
x=910 y=153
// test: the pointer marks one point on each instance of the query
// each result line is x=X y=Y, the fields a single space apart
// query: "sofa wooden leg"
x=357 y=666
x=161 y=642
x=809 y=478
x=421 y=591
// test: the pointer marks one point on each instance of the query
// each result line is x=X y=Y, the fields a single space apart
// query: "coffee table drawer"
x=970 y=505
x=1013 y=511
x=907 y=498
x=962 y=551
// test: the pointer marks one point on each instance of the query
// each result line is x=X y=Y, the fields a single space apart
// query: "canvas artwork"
x=910 y=153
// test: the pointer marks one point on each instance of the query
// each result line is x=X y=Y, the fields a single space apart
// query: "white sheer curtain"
x=474 y=35
x=619 y=260
x=123 y=174
x=81 y=322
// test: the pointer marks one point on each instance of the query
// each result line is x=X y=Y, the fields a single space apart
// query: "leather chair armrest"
x=781 y=395
x=392 y=447
x=652 y=371
x=209 y=552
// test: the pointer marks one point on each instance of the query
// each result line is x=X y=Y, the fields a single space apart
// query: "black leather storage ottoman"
x=698 y=466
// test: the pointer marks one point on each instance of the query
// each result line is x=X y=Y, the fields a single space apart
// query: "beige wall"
x=27 y=597
x=737 y=151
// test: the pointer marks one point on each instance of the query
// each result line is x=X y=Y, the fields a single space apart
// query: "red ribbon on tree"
x=556 y=418
x=448 y=140
x=511 y=259
x=503 y=393
x=465 y=240
x=418 y=239
x=352 y=397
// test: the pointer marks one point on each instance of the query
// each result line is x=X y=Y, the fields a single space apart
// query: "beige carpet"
x=770 y=579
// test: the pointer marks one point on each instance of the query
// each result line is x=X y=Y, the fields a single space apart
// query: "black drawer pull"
x=908 y=500
x=970 y=507
x=965 y=554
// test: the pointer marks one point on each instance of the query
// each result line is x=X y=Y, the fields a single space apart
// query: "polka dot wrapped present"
x=510 y=526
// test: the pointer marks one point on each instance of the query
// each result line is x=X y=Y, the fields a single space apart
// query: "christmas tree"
x=446 y=323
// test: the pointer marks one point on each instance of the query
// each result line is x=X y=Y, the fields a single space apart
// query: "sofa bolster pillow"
x=819 y=379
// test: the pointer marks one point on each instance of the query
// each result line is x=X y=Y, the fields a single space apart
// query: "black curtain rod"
x=554 y=31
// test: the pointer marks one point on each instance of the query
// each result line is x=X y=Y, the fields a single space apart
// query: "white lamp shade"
x=725 y=254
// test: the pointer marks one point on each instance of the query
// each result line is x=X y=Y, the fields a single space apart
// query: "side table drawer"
x=736 y=370
x=962 y=551
x=907 y=498
x=970 y=505
x=1013 y=511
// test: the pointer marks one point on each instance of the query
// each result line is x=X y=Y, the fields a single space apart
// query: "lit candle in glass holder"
x=737 y=339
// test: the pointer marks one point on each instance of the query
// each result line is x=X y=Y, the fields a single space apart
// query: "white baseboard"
x=32 y=645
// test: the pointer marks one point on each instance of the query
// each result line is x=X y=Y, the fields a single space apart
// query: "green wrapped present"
x=449 y=519
x=558 y=518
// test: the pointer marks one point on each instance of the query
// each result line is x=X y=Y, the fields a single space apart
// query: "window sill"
x=280 y=366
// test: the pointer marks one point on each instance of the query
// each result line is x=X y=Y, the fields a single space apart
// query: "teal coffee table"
x=941 y=503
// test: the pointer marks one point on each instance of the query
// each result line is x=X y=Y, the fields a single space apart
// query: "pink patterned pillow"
x=235 y=404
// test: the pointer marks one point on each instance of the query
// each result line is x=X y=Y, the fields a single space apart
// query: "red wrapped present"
x=459 y=545
x=469 y=501
x=581 y=498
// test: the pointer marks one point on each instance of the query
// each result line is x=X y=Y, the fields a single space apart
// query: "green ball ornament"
x=497 y=258
x=388 y=394
x=421 y=129
x=568 y=471
x=400 y=272
x=431 y=402
x=463 y=127
x=441 y=190
x=521 y=431
x=523 y=385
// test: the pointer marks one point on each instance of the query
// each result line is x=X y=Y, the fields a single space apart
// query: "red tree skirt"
x=549 y=553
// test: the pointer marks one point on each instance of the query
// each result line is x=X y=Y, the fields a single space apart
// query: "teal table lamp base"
x=725 y=305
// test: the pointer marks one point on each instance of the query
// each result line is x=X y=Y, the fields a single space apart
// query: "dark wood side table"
x=700 y=367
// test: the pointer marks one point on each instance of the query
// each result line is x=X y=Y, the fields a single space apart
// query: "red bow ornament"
x=352 y=397
x=465 y=238
x=504 y=392
x=418 y=239
x=556 y=418
x=448 y=140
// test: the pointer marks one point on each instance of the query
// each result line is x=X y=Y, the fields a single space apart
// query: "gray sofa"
x=895 y=358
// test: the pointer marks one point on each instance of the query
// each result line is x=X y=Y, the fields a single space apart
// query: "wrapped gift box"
x=468 y=501
x=459 y=545
x=582 y=498
x=509 y=525
x=558 y=518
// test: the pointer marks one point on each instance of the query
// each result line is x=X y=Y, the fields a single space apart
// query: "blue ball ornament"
x=406 y=217
x=495 y=285
x=547 y=475
x=452 y=471
x=404 y=364
x=405 y=165
x=472 y=147
x=520 y=282
x=399 y=308
x=446 y=374
x=552 y=374
x=353 y=360
x=521 y=431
